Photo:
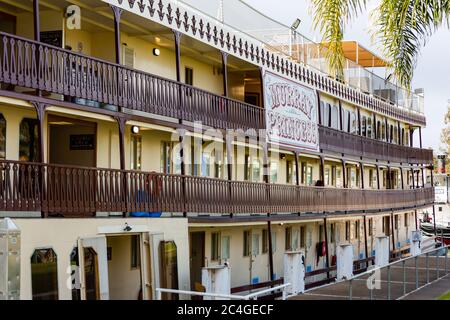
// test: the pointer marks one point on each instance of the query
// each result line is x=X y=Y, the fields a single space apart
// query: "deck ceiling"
x=96 y=16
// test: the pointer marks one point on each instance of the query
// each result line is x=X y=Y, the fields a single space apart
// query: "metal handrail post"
x=158 y=294
x=437 y=265
x=350 y=288
x=389 y=282
x=428 y=273
x=417 y=272
x=446 y=258
x=404 y=277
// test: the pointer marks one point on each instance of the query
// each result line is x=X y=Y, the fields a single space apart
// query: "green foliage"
x=330 y=16
x=402 y=27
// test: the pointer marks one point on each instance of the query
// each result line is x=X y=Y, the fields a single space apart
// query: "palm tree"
x=401 y=28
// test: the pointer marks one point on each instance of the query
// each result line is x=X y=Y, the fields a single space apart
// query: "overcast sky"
x=432 y=72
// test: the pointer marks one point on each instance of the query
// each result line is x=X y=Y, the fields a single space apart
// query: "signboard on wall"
x=291 y=113
x=82 y=141
x=54 y=38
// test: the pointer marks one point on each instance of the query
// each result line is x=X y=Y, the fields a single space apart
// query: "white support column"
x=344 y=261
x=294 y=272
x=216 y=279
x=416 y=238
x=382 y=251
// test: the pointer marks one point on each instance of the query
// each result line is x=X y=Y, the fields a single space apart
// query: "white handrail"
x=256 y=294
x=220 y=295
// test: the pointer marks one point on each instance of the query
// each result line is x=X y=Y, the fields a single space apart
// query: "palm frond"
x=403 y=27
x=330 y=18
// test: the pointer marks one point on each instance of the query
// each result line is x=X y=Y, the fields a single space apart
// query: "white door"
x=93 y=261
x=156 y=239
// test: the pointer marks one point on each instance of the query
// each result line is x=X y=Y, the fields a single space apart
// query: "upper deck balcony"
x=101 y=84
x=285 y=41
x=82 y=191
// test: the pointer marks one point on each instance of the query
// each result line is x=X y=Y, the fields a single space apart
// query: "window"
x=215 y=246
x=206 y=164
x=309 y=175
x=334 y=117
x=303 y=173
x=371 y=179
x=322 y=113
x=166 y=157
x=74 y=265
x=252 y=169
x=395 y=135
x=333 y=176
x=290 y=169
x=332 y=232
x=302 y=237
x=189 y=76
x=364 y=126
x=135 y=252
x=383 y=131
x=347 y=230
x=288 y=238
x=29 y=140
x=370 y=227
x=255 y=244
x=353 y=123
x=136 y=152
x=274 y=172
x=339 y=183
x=91 y=274
x=391 y=133
x=369 y=127
x=265 y=241
x=386 y=226
x=225 y=247
x=2 y=137
x=295 y=239
x=219 y=167
x=378 y=137
x=168 y=255
x=406 y=220
x=44 y=275
x=346 y=122
x=247 y=243
x=357 y=229
x=396 y=218
x=325 y=108
x=328 y=176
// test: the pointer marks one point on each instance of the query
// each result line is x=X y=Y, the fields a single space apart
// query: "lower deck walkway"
x=393 y=284
x=431 y=292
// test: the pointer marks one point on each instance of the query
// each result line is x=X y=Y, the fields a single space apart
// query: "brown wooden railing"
x=64 y=189
x=36 y=65
x=98 y=83
x=332 y=140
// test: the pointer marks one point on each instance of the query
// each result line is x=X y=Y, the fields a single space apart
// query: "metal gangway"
x=394 y=281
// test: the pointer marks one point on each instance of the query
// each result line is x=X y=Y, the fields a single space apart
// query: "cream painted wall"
x=62 y=235
x=49 y=21
x=60 y=153
x=242 y=273
x=13 y=116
